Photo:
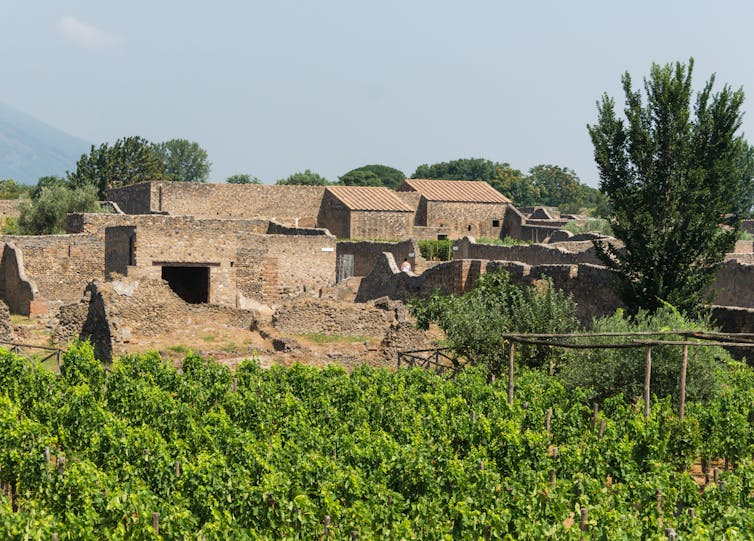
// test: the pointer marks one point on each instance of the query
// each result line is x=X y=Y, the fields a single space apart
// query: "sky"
x=270 y=88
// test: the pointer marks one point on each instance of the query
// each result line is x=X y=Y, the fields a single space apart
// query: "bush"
x=436 y=250
x=45 y=214
x=610 y=372
x=474 y=321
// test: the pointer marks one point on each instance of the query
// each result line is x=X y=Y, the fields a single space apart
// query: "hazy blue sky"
x=274 y=87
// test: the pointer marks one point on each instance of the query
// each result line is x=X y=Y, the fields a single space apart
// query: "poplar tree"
x=672 y=171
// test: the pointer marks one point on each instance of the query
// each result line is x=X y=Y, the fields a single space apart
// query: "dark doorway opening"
x=189 y=283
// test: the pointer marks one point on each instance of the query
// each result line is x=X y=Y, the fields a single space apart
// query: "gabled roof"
x=460 y=191
x=368 y=198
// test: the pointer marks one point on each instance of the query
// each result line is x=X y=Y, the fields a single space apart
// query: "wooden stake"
x=684 y=366
x=603 y=424
x=548 y=419
x=552 y=479
x=510 y=373
x=327 y=526
x=659 y=507
x=156 y=523
x=647 y=379
x=584 y=520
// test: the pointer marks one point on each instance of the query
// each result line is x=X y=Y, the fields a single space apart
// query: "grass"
x=208 y=338
x=229 y=347
x=179 y=348
x=322 y=338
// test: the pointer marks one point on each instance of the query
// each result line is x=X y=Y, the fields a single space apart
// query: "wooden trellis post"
x=684 y=366
x=510 y=373
x=647 y=380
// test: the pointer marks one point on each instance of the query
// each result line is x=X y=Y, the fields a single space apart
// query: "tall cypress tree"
x=672 y=171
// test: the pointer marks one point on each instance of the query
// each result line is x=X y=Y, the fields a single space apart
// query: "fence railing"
x=430 y=358
x=24 y=349
x=440 y=359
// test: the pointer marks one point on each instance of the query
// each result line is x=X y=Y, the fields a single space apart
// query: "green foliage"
x=436 y=250
x=373 y=175
x=10 y=189
x=595 y=225
x=305 y=178
x=507 y=241
x=672 y=174
x=184 y=160
x=550 y=185
x=610 y=372
x=46 y=213
x=242 y=178
x=473 y=322
x=129 y=161
x=386 y=454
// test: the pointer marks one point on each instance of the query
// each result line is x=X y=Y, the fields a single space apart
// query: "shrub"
x=436 y=250
x=610 y=372
x=474 y=321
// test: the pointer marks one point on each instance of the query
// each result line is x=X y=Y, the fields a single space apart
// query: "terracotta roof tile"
x=368 y=198
x=462 y=191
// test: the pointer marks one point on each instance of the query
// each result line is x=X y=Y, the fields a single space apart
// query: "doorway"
x=189 y=283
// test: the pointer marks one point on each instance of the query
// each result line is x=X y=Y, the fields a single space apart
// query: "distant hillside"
x=30 y=149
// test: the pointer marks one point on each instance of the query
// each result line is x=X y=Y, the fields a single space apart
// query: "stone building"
x=455 y=208
x=292 y=205
x=223 y=262
x=363 y=212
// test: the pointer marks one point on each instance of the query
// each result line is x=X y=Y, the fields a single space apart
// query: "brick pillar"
x=270 y=286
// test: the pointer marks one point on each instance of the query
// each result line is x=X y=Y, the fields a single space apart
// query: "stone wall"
x=367 y=253
x=590 y=285
x=334 y=216
x=306 y=315
x=59 y=265
x=295 y=205
x=270 y=267
x=564 y=253
x=473 y=219
x=383 y=225
x=133 y=199
x=17 y=289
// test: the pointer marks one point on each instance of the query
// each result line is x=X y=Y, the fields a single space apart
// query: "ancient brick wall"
x=269 y=267
x=304 y=316
x=383 y=225
x=18 y=290
x=590 y=285
x=566 y=253
x=119 y=246
x=367 y=253
x=295 y=205
x=133 y=199
x=334 y=216
x=61 y=265
x=474 y=219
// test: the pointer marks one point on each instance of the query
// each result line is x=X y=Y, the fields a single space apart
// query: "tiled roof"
x=368 y=198
x=462 y=191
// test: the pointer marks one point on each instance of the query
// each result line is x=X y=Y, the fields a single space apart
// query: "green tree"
x=129 y=161
x=184 y=160
x=462 y=169
x=47 y=182
x=554 y=185
x=305 y=178
x=473 y=322
x=10 y=189
x=45 y=214
x=672 y=175
x=242 y=178
x=374 y=175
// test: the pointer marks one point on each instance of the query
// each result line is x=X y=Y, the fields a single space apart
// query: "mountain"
x=30 y=149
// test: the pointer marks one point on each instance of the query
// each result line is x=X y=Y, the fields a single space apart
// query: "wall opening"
x=189 y=283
